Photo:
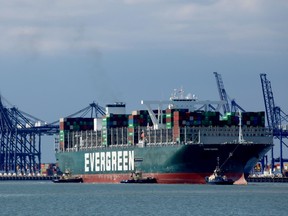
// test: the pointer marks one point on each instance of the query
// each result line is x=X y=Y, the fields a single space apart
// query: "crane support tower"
x=20 y=141
x=277 y=119
x=20 y=138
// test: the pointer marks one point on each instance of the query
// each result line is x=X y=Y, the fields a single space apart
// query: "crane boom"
x=227 y=107
x=268 y=100
x=222 y=92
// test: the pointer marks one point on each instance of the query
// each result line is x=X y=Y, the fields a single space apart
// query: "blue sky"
x=58 y=56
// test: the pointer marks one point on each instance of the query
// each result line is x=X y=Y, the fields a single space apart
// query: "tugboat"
x=217 y=178
x=68 y=178
x=136 y=177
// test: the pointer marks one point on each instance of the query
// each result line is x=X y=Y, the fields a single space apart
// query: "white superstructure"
x=179 y=101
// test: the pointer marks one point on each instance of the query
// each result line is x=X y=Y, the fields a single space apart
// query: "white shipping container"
x=97 y=124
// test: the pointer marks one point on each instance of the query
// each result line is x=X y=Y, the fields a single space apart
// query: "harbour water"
x=46 y=198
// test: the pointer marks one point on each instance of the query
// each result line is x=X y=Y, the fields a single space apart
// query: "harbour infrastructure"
x=20 y=140
x=230 y=105
x=267 y=179
x=277 y=121
x=20 y=132
x=27 y=178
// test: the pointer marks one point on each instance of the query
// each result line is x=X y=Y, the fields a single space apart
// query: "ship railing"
x=86 y=140
x=161 y=144
x=119 y=137
x=74 y=149
x=119 y=146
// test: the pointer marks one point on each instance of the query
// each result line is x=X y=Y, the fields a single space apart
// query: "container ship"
x=178 y=144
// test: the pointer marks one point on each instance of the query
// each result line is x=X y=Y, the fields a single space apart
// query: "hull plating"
x=169 y=164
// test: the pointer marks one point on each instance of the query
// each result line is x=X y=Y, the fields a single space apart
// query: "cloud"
x=54 y=27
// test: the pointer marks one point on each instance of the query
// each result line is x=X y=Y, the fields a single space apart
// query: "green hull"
x=175 y=161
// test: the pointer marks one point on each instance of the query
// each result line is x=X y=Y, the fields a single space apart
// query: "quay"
x=268 y=179
x=26 y=178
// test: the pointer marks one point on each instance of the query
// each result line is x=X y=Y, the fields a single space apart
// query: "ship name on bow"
x=109 y=161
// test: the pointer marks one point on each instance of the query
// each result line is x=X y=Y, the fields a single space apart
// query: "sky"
x=57 y=56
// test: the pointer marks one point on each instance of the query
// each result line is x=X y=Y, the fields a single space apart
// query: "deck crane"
x=275 y=118
x=227 y=107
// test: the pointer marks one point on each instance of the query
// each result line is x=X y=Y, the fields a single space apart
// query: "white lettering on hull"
x=131 y=162
x=103 y=161
x=120 y=161
x=114 y=161
x=109 y=161
x=86 y=162
x=125 y=160
x=92 y=159
x=97 y=161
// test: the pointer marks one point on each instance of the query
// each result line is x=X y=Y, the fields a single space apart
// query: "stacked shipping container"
x=254 y=119
x=72 y=125
x=140 y=118
x=110 y=122
x=174 y=119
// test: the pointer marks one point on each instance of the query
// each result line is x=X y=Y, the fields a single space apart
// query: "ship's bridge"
x=179 y=101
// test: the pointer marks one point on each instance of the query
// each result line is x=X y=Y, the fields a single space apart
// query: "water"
x=47 y=198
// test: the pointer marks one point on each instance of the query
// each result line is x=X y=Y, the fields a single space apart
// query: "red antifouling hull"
x=162 y=178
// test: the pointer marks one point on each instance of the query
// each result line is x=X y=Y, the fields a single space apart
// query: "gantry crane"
x=20 y=140
x=20 y=137
x=275 y=118
x=229 y=105
x=94 y=109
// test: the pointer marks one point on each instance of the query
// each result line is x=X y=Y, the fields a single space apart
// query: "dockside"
x=268 y=179
x=27 y=178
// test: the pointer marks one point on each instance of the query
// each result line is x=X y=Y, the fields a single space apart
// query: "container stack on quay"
x=267 y=174
x=48 y=171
